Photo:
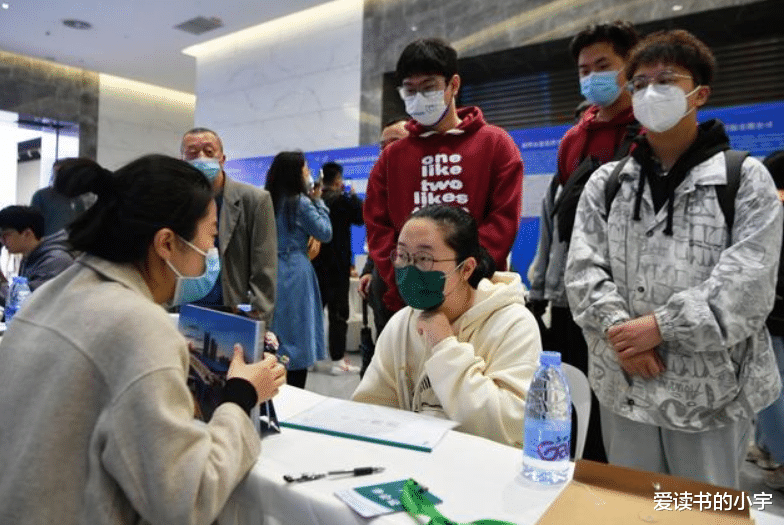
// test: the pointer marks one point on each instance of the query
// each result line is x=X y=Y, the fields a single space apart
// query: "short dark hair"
x=678 y=47
x=620 y=34
x=775 y=164
x=461 y=233
x=196 y=131
x=427 y=56
x=134 y=202
x=329 y=172
x=20 y=218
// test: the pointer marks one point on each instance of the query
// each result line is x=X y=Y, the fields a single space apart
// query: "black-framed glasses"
x=422 y=260
x=662 y=78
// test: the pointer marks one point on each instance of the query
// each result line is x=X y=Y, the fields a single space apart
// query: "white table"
x=475 y=477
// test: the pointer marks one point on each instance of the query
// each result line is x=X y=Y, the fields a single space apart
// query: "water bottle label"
x=547 y=440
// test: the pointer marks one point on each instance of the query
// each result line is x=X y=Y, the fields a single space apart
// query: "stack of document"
x=374 y=423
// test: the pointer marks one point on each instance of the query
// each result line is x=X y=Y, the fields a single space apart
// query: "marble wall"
x=118 y=119
x=476 y=28
x=296 y=89
x=42 y=89
x=135 y=119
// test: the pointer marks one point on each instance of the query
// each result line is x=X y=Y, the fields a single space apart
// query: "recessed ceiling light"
x=5 y=5
x=77 y=24
x=677 y=7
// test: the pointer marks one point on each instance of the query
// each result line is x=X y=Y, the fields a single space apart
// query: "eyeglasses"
x=662 y=78
x=422 y=260
x=429 y=91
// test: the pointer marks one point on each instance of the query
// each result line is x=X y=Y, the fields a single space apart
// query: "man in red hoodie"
x=451 y=156
x=604 y=132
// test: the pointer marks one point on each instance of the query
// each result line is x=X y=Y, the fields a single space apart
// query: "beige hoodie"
x=479 y=377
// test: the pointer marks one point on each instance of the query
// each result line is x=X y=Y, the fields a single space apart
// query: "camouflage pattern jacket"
x=709 y=290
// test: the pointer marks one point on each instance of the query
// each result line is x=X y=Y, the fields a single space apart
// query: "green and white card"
x=375 y=500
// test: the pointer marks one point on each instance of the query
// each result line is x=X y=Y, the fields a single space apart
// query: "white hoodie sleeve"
x=483 y=384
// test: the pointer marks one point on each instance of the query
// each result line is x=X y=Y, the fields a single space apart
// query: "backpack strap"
x=726 y=193
x=613 y=185
x=632 y=131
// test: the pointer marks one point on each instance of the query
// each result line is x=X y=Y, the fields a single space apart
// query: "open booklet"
x=374 y=423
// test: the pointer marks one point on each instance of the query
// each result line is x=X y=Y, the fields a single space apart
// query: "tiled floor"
x=343 y=386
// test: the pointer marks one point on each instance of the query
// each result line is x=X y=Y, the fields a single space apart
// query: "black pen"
x=359 y=471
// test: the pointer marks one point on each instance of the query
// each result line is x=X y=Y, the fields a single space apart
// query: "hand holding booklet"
x=374 y=423
x=211 y=335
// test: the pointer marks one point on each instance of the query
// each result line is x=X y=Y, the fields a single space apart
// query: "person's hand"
x=434 y=327
x=647 y=364
x=635 y=336
x=266 y=376
x=315 y=193
x=271 y=343
x=364 y=286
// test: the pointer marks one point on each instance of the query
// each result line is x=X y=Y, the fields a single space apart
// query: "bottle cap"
x=550 y=358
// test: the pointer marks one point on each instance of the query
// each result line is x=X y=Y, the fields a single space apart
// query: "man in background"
x=58 y=210
x=43 y=257
x=451 y=156
x=247 y=238
x=334 y=262
x=671 y=275
x=605 y=131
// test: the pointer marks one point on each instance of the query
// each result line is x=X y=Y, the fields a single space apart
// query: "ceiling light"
x=677 y=7
x=77 y=24
x=5 y=5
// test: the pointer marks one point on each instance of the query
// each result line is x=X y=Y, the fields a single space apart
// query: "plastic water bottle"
x=17 y=293
x=548 y=423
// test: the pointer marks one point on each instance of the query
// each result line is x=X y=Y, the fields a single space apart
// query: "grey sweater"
x=96 y=420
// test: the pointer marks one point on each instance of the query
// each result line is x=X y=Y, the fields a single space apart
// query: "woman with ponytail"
x=96 y=419
x=465 y=347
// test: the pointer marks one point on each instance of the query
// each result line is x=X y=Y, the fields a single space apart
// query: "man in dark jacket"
x=333 y=263
x=43 y=257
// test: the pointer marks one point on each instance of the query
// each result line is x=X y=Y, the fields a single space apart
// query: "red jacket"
x=591 y=137
x=476 y=166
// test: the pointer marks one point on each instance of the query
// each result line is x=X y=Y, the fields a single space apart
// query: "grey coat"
x=710 y=295
x=547 y=269
x=248 y=247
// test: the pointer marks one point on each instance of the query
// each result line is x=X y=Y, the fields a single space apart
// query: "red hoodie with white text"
x=476 y=166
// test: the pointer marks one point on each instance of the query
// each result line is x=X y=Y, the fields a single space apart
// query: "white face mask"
x=660 y=108
x=427 y=110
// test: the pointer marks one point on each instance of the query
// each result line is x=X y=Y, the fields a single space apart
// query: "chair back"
x=580 y=391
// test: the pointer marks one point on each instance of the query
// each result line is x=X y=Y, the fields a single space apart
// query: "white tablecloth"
x=475 y=477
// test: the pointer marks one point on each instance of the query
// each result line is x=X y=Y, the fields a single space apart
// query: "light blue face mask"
x=209 y=167
x=601 y=88
x=189 y=289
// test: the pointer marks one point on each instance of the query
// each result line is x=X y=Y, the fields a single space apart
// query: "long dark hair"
x=285 y=183
x=134 y=202
x=462 y=235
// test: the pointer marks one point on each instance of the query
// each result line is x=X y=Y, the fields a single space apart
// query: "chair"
x=580 y=391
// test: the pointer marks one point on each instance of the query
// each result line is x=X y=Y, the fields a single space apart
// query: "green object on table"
x=416 y=504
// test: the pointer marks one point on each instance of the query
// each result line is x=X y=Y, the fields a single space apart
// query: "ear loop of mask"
x=416 y=504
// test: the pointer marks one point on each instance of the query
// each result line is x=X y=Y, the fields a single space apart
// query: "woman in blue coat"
x=298 y=318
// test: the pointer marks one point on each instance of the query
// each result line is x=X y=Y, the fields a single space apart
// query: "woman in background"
x=96 y=419
x=465 y=347
x=298 y=320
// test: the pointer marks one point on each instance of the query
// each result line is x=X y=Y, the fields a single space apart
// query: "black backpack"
x=725 y=193
x=566 y=206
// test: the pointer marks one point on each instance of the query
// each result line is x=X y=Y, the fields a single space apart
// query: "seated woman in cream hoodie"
x=465 y=347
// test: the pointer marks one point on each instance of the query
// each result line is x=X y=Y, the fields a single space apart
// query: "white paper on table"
x=375 y=423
